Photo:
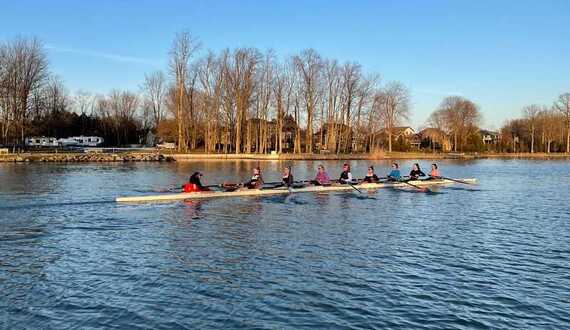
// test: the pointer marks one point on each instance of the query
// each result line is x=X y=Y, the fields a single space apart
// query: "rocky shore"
x=86 y=157
x=160 y=157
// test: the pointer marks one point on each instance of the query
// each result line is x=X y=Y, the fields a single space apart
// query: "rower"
x=371 y=177
x=345 y=176
x=395 y=174
x=322 y=178
x=434 y=174
x=287 y=176
x=416 y=172
x=256 y=181
x=194 y=184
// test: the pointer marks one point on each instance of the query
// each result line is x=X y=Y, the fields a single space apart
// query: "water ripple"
x=462 y=257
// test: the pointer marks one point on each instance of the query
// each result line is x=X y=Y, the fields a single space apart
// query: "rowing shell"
x=281 y=190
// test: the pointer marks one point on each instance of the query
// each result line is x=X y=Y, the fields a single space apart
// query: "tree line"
x=234 y=101
x=540 y=129
x=245 y=100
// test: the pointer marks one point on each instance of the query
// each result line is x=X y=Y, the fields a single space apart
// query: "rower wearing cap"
x=256 y=181
x=395 y=174
x=194 y=184
x=345 y=176
x=371 y=177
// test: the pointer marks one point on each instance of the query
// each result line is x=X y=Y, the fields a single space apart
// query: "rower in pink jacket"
x=322 y=178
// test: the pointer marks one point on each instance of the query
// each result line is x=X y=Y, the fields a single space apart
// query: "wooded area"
x=235 y=101
x=248 y=101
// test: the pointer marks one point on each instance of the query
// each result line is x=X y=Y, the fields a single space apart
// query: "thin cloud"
x=438 y=92
x=106 y=56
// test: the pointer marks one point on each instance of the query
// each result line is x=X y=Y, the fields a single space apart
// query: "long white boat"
x=285 y=190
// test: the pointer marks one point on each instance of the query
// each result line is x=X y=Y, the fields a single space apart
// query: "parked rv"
x=74 y=141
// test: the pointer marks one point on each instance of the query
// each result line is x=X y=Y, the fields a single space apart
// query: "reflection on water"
x=489 y=256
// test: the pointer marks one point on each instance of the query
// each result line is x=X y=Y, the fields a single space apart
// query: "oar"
x=424 y=189
x=353 y=187
x=455 y=180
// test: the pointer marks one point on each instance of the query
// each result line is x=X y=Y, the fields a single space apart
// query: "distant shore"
x=182 y=157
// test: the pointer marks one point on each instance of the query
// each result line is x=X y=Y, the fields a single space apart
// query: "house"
x=402 y=138
x=343 y=133
x=489 y=137
x=434 y=139
x=405 y=131
x=397 y=132
x=289 y=131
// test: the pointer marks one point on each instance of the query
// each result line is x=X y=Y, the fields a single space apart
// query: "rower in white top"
x=346 y=175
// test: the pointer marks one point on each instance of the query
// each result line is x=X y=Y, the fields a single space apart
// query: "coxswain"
x=395 y=174
x=287 y=176
x=416 y=172
x=322 y=178
x=371 y=177
x=345 y=176
x=434 y=174
x=256 y=181
x=194 y=184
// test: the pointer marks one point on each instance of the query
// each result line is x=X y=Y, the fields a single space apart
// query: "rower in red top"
x=416 y=172
x=434 y=174
x=194 y=184
x=256 y=181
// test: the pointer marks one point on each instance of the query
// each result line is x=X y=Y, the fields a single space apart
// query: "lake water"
x=492 y=256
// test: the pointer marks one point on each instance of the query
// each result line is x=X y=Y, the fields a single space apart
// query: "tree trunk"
x=181 y=140
x=532 y=141
x=455 y=141
x=568 y=140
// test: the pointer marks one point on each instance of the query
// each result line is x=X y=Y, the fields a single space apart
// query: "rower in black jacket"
x=287 y=177
x=371 y=177
x=416 y=172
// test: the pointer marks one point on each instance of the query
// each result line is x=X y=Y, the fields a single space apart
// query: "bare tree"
x=282 y=91
x=309 y=64
x=264 y=95
x=183 y=48
x=563 y=106
x=332 y=89
x=531 y=113
x=350 y=80
x=84 y=102
x=462 y=117
x=393 y=103
x=24 y=69
x=240 y=75
x=154 y=89
x=364 y=100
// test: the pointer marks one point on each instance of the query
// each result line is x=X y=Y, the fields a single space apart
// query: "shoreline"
x=188 y=157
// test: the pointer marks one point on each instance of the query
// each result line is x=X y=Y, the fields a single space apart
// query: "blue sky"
x=501 y=54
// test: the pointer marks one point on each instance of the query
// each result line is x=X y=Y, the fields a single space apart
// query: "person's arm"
x=349 y=177
x=422 y=173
